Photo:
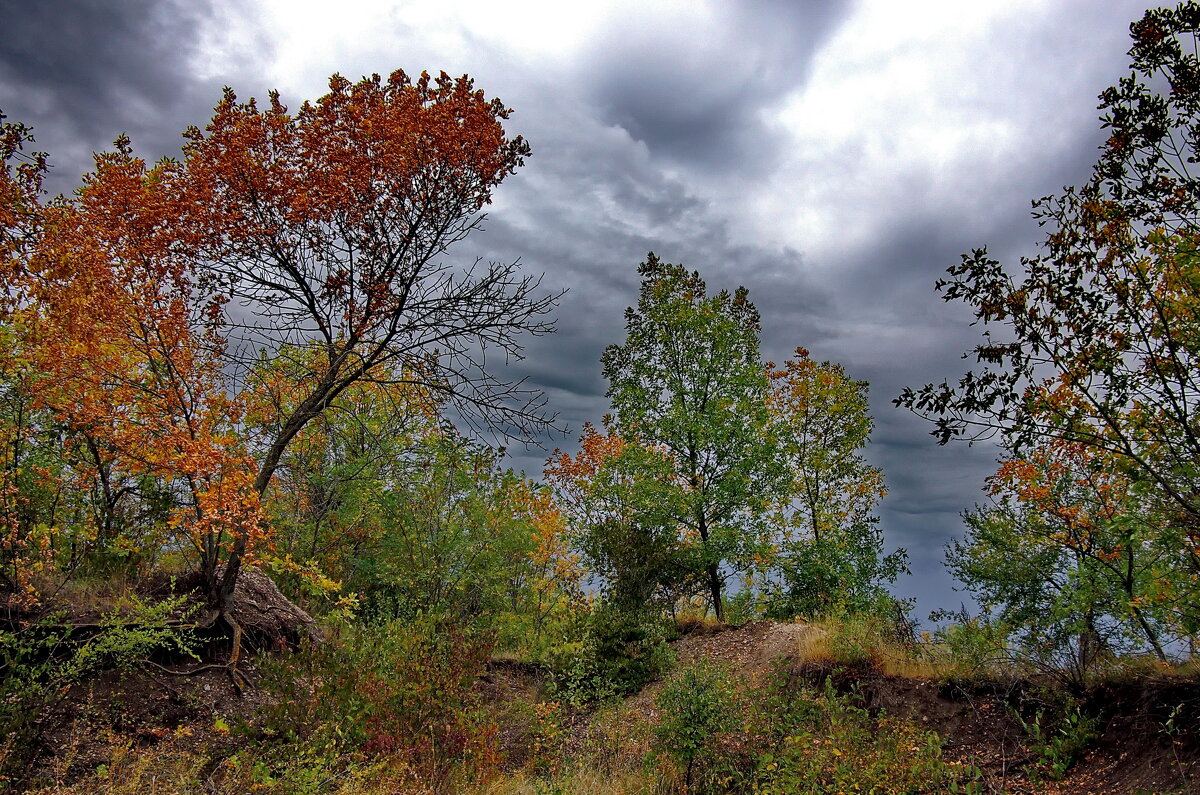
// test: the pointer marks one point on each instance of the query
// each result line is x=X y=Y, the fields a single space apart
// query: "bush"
x=617 y=652
x=820 y=741
x=971 y=646
x=398 y=691
x=699 y=706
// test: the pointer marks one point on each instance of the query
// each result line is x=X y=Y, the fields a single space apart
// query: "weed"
x=1056 y=745
x=819 y=741
x=393 y=692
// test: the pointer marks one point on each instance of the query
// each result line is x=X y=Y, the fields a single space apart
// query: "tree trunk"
x=714 y=590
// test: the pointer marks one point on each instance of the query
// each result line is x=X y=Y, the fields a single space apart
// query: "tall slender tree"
x=688 y=380
x=829 y=547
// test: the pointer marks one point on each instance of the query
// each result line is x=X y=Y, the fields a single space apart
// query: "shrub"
x=399 y=691
x=1057 y=737
x=39 y=663
x=617 y=652
x=699 y=706
x=819 y=741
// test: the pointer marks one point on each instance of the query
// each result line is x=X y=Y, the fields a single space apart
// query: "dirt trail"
x=751 y=649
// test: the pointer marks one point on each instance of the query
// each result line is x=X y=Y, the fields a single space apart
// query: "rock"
x=269 y=619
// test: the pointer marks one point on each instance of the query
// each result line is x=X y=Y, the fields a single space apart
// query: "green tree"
x=323 y=501
x=622 y=500
x=1069 y=559
x=829 y=545
x=689 y=381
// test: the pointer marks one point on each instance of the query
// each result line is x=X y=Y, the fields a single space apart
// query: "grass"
x=580 y=781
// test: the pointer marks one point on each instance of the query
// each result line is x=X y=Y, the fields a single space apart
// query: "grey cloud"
x=694 y=94
x=83 y=72
x=632 y=140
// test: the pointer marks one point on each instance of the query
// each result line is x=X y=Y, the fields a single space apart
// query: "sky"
x=833 y=157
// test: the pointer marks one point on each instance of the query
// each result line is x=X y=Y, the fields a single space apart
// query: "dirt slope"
x=1134 y=751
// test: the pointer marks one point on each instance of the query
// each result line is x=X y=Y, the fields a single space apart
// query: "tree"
x=829 y=546
x=117 y=344
x=1069 y=556
x=622 y=501
x=323 y=501
x=1100 y=342
x=329 y=227
x=689 y=382
x=325 y=228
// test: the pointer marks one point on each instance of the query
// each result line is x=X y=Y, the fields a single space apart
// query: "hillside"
x=148 y=731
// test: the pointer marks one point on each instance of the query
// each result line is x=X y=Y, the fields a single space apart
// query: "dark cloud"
x=656 y=135
x=83 y=72
x=694 y=93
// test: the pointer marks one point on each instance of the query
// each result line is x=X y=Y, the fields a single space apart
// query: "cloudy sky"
x=834 y=157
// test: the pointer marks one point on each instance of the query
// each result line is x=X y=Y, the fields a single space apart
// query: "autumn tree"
x=116 y=342
x=829 y=547
x=1095 y=339
x=689 y=381
x=1069 y=558
x=329 y=227
x=325 y=230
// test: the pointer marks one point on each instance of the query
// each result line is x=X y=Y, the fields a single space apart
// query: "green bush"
x=1056 y=739
x=699 y=706
x=820 y=741
x=971 y=646
x=616 y=652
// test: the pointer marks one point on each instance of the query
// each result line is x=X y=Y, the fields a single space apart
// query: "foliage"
x=698 y=704
x=396 y=690
x=817 y=741
x=1096 y=338
x=40 y=662
x=969 y=646
x=620 y=498
x=689 y=384
x=116 y=341
x=615 y=652
x=1057 y=743
x=326 y=226
x=387 y=501
x=715 y=463
x=331 y=227
x=323 y=500
x=469 y=543
x=1071 y=558
x=829 y=547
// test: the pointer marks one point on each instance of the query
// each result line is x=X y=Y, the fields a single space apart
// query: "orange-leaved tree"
x=117 y=342
x=328 y=228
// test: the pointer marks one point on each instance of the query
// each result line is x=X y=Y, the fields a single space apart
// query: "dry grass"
x=857 y=641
